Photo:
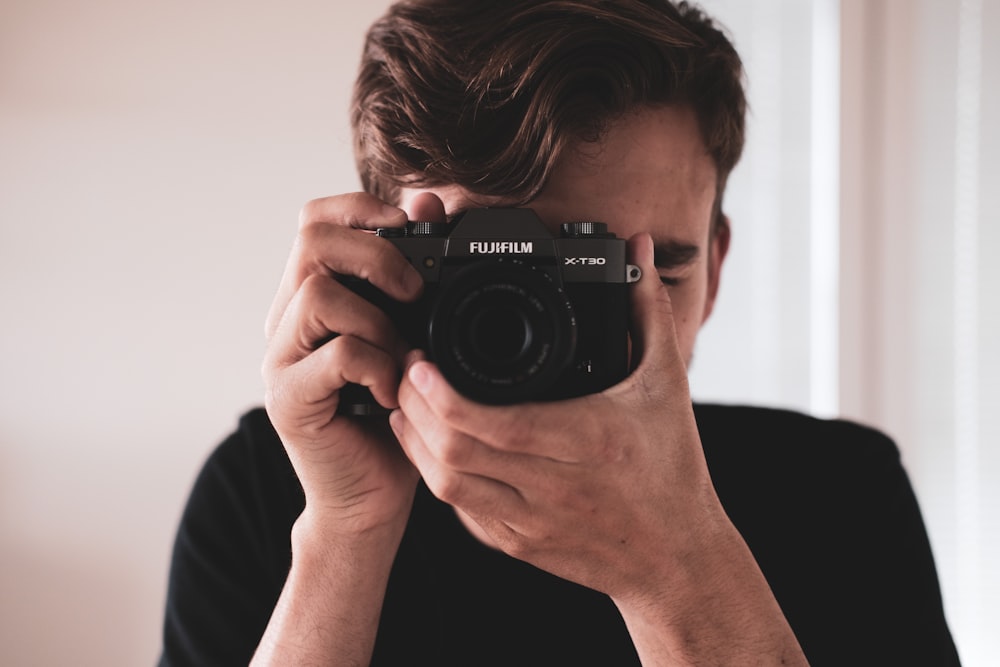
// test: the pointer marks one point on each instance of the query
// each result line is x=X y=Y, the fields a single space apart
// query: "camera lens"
x=499 y=333
x=502 y=331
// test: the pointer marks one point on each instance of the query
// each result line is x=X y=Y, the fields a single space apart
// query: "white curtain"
x=864 y=277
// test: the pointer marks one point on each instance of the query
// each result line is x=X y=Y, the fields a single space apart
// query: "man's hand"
x=358 y=484
x=352 y=471
x=597 y=489
x=610 y=491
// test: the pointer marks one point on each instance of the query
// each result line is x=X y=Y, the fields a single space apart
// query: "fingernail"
x=420 y=377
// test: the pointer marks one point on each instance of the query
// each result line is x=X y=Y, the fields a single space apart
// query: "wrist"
x=369 y=509
x=710 y=604
x=329 y=608
x=323 y=532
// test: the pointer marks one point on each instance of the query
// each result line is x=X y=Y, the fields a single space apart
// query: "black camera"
x=509 y=312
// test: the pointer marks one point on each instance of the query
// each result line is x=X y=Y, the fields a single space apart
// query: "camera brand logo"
x=500 y=248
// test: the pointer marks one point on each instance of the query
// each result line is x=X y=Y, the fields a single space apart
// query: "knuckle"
x=336 y=352
x=447 y=486
x=313 y=233
x=453 y=451
x=310 y=213
x=512 y=433
x=519 y=547
x=447 y=410
x=355 y=206
x=349 y=208
x=518 y=429
x=315 y=288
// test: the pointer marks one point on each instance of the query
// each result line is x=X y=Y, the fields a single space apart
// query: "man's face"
x=650 y=173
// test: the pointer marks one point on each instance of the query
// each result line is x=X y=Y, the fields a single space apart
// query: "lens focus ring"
x=502 y=331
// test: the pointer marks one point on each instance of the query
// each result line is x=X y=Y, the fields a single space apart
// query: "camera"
x=509 y=312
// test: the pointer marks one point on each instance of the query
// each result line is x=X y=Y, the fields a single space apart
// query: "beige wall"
x=920 y=317
x=153 y=158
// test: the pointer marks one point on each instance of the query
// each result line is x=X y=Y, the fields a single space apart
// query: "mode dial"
x=591 y=229
x=423 y=228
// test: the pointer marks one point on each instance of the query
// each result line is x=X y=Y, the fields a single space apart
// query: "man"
x=619 y=527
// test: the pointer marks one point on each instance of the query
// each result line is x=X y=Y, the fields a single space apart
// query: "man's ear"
x=718 y=248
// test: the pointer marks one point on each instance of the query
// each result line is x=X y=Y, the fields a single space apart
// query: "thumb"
x=654 y=338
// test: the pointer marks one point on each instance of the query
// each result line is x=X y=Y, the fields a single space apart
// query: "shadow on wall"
x=52 y=604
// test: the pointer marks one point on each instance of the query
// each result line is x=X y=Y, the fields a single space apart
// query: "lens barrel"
x=502 y=331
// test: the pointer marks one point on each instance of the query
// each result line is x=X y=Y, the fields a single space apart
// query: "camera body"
x=511 y=313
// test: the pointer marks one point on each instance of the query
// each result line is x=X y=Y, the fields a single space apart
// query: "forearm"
x=716 y=608
x=328 y=611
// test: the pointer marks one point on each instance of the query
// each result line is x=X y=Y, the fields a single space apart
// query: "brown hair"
x=486 y=94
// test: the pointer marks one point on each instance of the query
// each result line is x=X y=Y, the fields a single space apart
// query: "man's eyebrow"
x=674 y=254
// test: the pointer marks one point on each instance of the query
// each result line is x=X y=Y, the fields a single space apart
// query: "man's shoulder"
x=780 y=472
x=253 y=436
x=250 y=458
x=779 y=428
x=785 y=447
x=256 y=427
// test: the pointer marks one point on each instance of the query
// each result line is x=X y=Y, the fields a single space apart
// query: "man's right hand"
x=353 y=473
x=358 y=485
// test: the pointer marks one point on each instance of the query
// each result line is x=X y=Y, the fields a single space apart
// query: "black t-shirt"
x=825 y=507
